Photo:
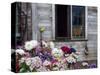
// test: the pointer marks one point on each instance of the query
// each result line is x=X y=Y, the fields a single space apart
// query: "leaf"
x=24 y=67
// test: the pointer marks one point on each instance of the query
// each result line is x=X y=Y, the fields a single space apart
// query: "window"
x=78 y=22
x=62 y=21
x=69 y=22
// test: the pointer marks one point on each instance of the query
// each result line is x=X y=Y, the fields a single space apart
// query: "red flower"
x=66 y=49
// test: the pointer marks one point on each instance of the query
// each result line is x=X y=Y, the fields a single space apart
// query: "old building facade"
x=80 y=31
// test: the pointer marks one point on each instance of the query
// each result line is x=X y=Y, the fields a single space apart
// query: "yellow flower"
x=42 y=29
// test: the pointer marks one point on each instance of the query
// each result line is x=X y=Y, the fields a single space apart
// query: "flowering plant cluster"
x=34 y=58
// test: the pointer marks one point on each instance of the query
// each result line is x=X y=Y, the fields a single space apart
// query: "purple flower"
x=38 y=50
x=92 y=66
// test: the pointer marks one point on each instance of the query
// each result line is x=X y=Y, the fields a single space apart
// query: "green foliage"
x=24 y=67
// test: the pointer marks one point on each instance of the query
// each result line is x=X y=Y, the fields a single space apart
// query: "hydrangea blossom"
x=20 y=51
x=32 y=66
x=55 y=69
x=51 y=44
x=70 y=59
x=34 y=43
x=75 y=55
x=46 y=58
x=56 y=66
x=57 y=53
x=42 y=69
x=44 y=44
x=29 y=45
x=36 y=61
x=22 y=60
x=85 y=64
x=46 y=63
x=28 y=61
x=27 y=54
x=38 y=50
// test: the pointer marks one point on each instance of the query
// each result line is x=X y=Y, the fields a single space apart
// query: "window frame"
x=71 y=39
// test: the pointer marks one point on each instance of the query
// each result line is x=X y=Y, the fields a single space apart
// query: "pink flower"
x=28 y=61
x=46 y=63
x=36 y=61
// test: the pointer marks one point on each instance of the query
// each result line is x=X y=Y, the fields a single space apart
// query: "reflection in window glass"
x=78 y=22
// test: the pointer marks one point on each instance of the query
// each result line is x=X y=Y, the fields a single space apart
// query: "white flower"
x=78 y=53
x=85 y=64
x=32 y=66
x=63 y=60
x=51 y=45
x=55 y=49
x=22 y=60
x=28 y=45
x=75 y=55
x=20 y=51
x=71 y=59
x=57 y=53
x=28 y=61
x=55 y=68
x=44 y=44
x=34 y=43
x=66 y=55
x=46 y=63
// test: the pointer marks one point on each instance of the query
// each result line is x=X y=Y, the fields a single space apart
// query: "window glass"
x=78 y=22
x=63 y=18
x=62 y=13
